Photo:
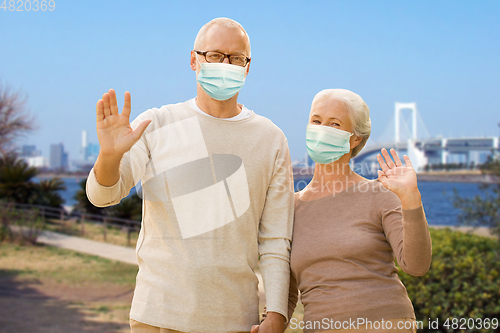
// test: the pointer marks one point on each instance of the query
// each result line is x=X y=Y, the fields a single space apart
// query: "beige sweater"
x=216 y=195
x=343 y=251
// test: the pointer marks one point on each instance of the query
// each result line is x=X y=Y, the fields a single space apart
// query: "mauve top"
x=343 y=250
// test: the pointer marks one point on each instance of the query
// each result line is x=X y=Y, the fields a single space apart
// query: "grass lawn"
x=45 y=289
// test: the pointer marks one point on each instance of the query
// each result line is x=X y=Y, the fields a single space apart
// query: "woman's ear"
x=357 y=140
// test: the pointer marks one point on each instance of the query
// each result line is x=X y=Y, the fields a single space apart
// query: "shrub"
x=19 y=226
x=463 y=281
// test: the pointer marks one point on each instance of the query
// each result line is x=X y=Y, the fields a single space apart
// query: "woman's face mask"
x=326 y=144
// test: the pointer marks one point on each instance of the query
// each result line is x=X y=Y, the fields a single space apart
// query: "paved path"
x=104 y=250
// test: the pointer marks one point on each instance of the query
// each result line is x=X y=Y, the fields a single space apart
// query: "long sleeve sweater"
x=343 y=251
x=217 y=194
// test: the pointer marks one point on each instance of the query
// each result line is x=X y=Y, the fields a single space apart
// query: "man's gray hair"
x=358 y=111
x=222 y=22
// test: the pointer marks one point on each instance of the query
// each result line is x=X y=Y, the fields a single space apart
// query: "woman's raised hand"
x=398 y=178
x=114 y=132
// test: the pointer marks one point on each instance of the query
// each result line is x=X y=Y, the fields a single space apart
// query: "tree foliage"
x=483 y=210
x=48 y=192
x=129 y=208
x=15 y=180
x=83 y=204
x=17 y=185
x=15 y=121
x=462 y=281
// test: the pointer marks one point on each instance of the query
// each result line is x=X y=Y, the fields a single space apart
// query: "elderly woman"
x=348 y=229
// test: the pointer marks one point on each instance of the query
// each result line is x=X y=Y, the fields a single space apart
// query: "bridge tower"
x=398 y=108
x=416 y=155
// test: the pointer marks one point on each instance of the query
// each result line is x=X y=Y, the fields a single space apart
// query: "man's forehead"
x=220 y=38
x=217 y=29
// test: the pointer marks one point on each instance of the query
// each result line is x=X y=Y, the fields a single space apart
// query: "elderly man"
x=217 y=193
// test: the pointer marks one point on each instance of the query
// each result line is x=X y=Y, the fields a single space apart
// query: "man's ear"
x=192 y=63
x=248 y=67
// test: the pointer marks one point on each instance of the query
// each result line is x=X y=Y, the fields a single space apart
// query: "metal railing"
x=51 y=213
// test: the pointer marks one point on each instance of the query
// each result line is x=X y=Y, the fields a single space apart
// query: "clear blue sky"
x=443 y=55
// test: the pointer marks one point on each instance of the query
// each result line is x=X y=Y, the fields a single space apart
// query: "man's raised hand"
x=114 y=132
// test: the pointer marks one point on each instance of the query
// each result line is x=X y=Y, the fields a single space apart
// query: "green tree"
x=15 y=180
x=16 y=184
x=48 y=193
x=483 y=210
x=83 y=204
x=14 y=119
x=129 y=208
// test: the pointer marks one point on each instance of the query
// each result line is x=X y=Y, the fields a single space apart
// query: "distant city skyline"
x=59 y=158
x=441 y=55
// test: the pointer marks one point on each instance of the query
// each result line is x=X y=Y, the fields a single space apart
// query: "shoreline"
x=61 y=175
x=457 y=176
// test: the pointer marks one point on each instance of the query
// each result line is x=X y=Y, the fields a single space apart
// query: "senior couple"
x=216 y=183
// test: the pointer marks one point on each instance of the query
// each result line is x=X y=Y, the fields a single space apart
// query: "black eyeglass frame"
x=204 y=54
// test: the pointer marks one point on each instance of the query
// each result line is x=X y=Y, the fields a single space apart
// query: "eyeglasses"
x=234 y=59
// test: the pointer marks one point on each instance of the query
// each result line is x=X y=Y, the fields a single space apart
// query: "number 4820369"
x=28 y=5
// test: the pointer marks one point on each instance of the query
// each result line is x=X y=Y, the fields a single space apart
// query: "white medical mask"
x=326 y=144
x=221 y=81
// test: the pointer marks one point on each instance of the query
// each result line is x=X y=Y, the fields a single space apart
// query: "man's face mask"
x=221 y=81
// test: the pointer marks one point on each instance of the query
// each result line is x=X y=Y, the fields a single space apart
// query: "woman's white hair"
x=222 y=22
x=358 y=111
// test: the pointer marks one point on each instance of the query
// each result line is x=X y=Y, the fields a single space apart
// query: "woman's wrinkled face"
x=333 y=113
x=330 y=113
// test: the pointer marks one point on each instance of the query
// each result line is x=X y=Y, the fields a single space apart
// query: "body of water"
x=437 y=198
x=72 y=186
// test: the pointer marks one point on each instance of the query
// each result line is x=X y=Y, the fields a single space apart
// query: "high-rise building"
x=32 y=156
x=84 y=148
x=92 y=151
x=29 y=151
x=88 y=151
x=58 y=157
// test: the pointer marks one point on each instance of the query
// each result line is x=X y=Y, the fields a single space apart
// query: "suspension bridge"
x=429 y=150
x=422 y=151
